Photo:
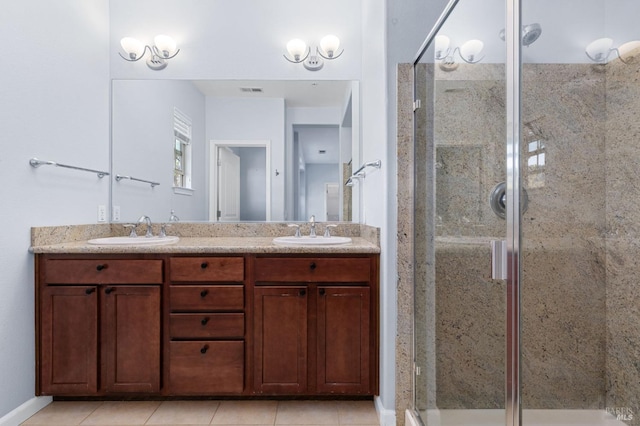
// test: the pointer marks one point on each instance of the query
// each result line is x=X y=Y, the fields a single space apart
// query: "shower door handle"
x=498 y=260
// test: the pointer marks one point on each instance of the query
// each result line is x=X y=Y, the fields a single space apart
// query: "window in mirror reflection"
x=182 y=150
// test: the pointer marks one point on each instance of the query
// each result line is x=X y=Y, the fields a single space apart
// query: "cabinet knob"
x=312 y=266
x=204 y=321
x=303 y=292
x=101 y=267
x=90 y=290
x=322 y=292
x=204 y=293
x=204 y=349
x=108 y=290
x=204 y=265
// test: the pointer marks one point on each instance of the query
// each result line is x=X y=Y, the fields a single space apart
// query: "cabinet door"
x=343 y=340
x=131 y=338
x=68 y=340
x=280 y=340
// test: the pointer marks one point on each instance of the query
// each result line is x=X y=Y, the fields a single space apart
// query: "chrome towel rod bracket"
x=120 y=177
x=359 y=174
x=35 y=163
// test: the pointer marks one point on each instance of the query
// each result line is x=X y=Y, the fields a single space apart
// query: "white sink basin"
x=135 y=241
x=308 y=241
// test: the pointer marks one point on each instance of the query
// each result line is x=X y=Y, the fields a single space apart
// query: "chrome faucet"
x=312 y=222
x=147 y=220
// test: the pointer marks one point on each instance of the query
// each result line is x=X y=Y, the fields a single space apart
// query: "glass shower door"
x=459 y=153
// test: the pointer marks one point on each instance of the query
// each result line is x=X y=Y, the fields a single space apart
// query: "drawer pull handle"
x=303 y=292
x=204 y=293
x=101 y=267
x=204 y=321
x=108 y=290
x=90 y=290
x=204 y=349
x=204 y=265
x=322 y=292
x=312 y=266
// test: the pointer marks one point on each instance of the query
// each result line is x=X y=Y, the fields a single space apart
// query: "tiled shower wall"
x=580 y=297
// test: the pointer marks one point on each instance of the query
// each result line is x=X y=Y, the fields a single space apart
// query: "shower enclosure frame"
x=513 y=80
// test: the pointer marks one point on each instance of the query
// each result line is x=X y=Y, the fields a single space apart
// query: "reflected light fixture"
x=530 y=33
x=299 y=52
x=469 y=52
x=164 y=48
x=599 y=50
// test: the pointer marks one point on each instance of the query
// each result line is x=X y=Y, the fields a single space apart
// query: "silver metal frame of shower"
x=513 y=39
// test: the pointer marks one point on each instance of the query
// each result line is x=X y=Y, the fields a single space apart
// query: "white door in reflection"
x=229 y=185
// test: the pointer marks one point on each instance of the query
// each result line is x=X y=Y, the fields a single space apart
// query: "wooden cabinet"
x=97 y=338
x=130 y=344
x=206 y=341
x=171 y=325
x=343 y=340
x=315 y=331
x=68 y=340
x=280 y=340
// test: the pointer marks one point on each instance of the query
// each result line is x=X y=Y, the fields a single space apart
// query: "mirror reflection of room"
x=292 y=141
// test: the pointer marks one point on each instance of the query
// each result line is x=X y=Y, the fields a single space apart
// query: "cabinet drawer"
x=206 y=269
x=206 y=297
x=335 y=269
x=206 y=367
x=103 y=271
x=206 y=326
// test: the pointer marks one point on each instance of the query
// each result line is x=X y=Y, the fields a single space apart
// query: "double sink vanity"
x=221 y=310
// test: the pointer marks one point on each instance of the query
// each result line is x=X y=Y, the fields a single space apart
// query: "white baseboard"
x=387 y=417
x=26 y=410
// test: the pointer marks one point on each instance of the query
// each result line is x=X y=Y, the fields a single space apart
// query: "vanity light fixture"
x=469 y=52
x=164 y=48
x=599 y=50
x=299 y=52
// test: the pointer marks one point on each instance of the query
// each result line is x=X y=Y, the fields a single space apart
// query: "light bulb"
x=296 y=48
x=598 y=50
x=329 y=45
x=441 y=46
x=470 y=50
x=132 y=46
x=165 y=44
x=629 y=51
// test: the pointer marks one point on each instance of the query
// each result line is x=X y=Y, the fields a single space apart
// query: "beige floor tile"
x=184 y=413
x=245 y=413
x=63 y=413
x=357 y=413
x=307 y=413
x=128 y=413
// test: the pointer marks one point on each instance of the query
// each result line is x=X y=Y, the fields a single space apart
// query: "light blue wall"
x=54 y=105
x=143 y=142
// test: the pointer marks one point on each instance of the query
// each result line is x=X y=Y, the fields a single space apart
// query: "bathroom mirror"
x=230 y=150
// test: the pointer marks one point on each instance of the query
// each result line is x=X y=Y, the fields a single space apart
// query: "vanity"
x=209 y=315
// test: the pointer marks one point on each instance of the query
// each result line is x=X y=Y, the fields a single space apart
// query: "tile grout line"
x=89 y=415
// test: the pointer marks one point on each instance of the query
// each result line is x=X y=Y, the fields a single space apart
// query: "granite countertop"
x=200 y=238
x=207 y=245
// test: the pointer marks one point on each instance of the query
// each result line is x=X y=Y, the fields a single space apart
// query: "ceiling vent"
x=251 y=89
x=322 y=151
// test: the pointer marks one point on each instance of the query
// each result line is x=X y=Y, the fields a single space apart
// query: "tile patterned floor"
x=200 y=413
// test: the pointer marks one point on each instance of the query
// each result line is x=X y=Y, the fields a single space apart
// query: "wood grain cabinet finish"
x=171 y=325
x=343 y=363
x=280 y=340
x=102 y=338
x=68 y=341
x=315 y=326
x=206 y=326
